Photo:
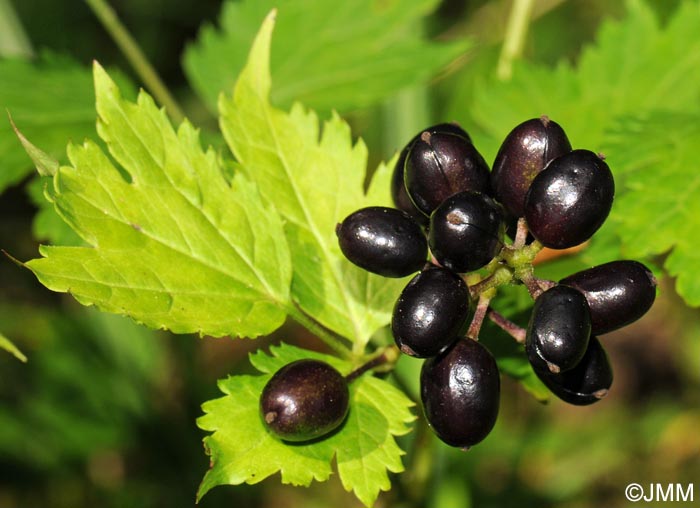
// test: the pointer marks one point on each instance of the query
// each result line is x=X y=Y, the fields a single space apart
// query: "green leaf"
x=51 y=100
x=44 y=163
x=8 y=346
x=243 y=451
x=635 y=65
x=329 y=55
x=48 y=226
x=315 y=181
x=657 y=209
x=171 y=243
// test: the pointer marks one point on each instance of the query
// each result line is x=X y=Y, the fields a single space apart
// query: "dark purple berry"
x=431 y=312
x=586 y=383
x=440 y=165
x=460 y=391
x=398 y=189
x=304 y=400
x=466 y=231
x=618 y=293
x=384 y=241
x=524 y=153
x=559 y=330
x=569 y=199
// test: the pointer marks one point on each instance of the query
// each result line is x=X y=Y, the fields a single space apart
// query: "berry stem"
x=501 y=275
x=528 y=278
x=545 y=284
x=480 y=313
x=385 y=359
x=508 y=326
x=520 y=234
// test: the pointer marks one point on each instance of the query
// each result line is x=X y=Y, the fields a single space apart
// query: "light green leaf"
x=329 y=55
x=243 y=451
x=8 y=346
x=51 y=100
x=658 y=211
x=48 y=226
x=44 y=163
x=172 y=244
x=315 y=180
x=635 y=65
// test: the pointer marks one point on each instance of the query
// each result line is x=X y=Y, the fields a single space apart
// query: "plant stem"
x=136 y=57
x=521 y=234
x=505 y=324
x=479 y=314
x=13 y=39
x=501 y=275
x=528 y=278
x=514 y=39
x=389 y=355
x=329 y=338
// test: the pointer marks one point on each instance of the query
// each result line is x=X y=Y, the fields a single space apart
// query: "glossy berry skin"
x=460 y=391
x=466 y=231
x=569 y=199
x=398 y=189
x=524 y=153
x=559 y=329
x=431 y=312
x=304 y=400
x=384 y=241
x=440 y=165
x=618 y=293
x=586 y=383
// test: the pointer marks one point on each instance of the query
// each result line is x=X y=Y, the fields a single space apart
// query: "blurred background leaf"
x=328 y=55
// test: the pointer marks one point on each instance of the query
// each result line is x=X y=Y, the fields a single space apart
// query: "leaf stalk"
x=136 y=57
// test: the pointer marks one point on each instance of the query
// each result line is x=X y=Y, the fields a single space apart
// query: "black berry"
x=524 y=153
x=398 y=189
x=460 y=391
x=559 y=329
x=440 y=165
x=431 y=312
x=304 y=400
x=586 y=383
x=569 y=199
x=384 y=241
x=618 y=293
x=466 y=231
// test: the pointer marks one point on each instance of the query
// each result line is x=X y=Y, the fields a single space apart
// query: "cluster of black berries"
x=450 y=205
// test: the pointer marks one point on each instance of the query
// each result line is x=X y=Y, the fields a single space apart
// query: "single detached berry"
x=431 y=312
x=384 y=241
x=398 y=189
x=569 y=199
x=618 y=293
x=440 y=165
x=466 y=231
x=524 y=153
x=586 y=383
x=304 y=400
x=559 y=330
x=460 y=391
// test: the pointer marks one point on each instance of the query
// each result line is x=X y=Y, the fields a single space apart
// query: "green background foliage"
x=144 y=219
